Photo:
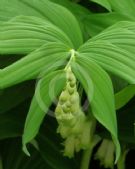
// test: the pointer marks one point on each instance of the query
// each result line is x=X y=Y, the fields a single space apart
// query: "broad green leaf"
x=12 y=8
x=114 y=50
x=104 y=3
x=95 y=23
x=61 y=17
x=75 y=8
x=24 y=34
x=123 y=6
x=46 y=92
x=78 y=10
x=111 y=58
x=99 y=89
x=55 y=13
x=124 y=96
x=50 y=56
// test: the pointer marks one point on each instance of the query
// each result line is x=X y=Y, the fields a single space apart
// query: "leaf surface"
x=34 y=64
x=99 y=90
x=45 y=94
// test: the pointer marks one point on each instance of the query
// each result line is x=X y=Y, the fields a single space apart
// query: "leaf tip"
x=25 y=150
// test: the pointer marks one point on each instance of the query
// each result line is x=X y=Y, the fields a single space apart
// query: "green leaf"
x=24 y=34
x=114 y=50
x=104 y=3
x=119 y=6
x=61 y=17
x=95 y=23
x=32 y=65
x=78 y=10
x=99 y=90
x=124 y=96
x=45 y=94
x=12 y=8
x=55 y=13
x=123 y=6
x=75 y=8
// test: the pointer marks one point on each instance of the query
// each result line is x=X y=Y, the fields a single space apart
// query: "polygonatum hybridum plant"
x=52 y=47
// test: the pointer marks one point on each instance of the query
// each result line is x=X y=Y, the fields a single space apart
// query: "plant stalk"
x=86 y=156
x=121 y=161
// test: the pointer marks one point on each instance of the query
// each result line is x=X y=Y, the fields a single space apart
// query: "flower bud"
x=69 y=147
x=105 y=153
x=68 y=104
x=70 y=89
x=70 y=76
x=74 y=109
x=100 y=154
x=72 y=83
x=64 y=131
x=74 y=98
x=59 y=110
x=64 y=96
x=77 y=129
x=109 y=157
x=77 y=144
x=65 y=108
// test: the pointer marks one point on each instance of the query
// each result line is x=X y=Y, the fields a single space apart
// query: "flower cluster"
x=74 y=125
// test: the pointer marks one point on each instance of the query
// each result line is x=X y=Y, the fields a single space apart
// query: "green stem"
x=72 y=51
x=86 y=158
x=121 y=161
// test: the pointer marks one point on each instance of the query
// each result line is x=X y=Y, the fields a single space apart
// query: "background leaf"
x=96 y=22
x=124 y=96
x=12 y=122
x=104 y=3
x=11 y=97
x=13 y=157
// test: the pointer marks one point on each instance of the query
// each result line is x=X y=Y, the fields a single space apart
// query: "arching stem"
x=86 y=156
